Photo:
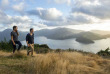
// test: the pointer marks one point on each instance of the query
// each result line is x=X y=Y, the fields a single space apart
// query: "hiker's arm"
x=27 y=40
x=33 y=39
x=27 y=43
x=12 y=40
x=17 y=33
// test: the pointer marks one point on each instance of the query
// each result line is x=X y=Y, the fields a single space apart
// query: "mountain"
x=90 y=35
x=101 y=32
x=84 y=40
x=58 y=33
x=6 y=34
x=61 y=34
x=66 y=33
x=105 y=34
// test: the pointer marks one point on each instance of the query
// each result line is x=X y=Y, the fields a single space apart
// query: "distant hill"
x=6 y=34
x=90 y=35
x=100 y=32
x=61 y=34
x=58 y=33
x=66 y=33
x=105 y=34
x=84 y=40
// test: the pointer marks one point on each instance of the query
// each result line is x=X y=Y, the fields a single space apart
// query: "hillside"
x=6 y=34
x=84 y=40
x=60 y=34
x=53 y=63
x=90 y=35
x=100 y=32
x=57 y=33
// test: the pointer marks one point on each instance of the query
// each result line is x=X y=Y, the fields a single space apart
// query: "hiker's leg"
x=14 y=48
x=28 y=50
x=19 y=43
x=32 y=49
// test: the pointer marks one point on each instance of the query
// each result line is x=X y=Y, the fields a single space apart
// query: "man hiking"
x=14 y=39
x=30 y=42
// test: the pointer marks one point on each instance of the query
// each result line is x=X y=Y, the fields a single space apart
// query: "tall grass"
x=67 y=63
x=53 y=63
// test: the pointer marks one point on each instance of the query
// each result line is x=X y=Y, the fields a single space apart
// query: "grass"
x=53 y=63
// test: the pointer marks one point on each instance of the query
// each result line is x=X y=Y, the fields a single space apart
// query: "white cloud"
x=63 y=1
x=4 y=4
x=24 y=23
x=19 y=7
x=74 y=19
x=53 y=17
x=83 y=12
x=3 y=18
x=80 y=18
x=97 y=8
x=6 y=19
x=51 y=14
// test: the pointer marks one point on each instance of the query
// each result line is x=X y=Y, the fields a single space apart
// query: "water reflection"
x=71 y=43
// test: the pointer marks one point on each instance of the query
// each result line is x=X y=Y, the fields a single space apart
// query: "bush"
x=6 y=46
x=104 y=52
x=40 y=48
x=58 y=50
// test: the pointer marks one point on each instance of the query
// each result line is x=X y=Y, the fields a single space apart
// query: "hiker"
x=14 y=39
x=30 y=42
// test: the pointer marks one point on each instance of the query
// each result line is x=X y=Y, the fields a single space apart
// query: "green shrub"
x=58 y=50
x=6 y=46
x=105 y=52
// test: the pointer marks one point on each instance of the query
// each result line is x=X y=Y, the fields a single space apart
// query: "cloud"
x=23 y=22
x=82 y=12
x=4 y=4
x=51 y=14
x=96 y=8
x=80 y=18
x=63 y=1
x=68 y=2
x=3 y=18
x=19 y=7
x=6 y=19
x=53 y=17
x=73 y=19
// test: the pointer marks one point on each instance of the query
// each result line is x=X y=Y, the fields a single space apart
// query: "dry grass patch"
x=67 y=63
x=53 y=63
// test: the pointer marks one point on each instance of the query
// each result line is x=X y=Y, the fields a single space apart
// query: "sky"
x=48 y=14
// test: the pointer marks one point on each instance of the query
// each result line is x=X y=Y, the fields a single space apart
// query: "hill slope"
x=53 y=63
x=100 y=32
x=6 y=34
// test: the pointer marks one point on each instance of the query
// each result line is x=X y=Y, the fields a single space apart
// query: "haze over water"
x=72 y=44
